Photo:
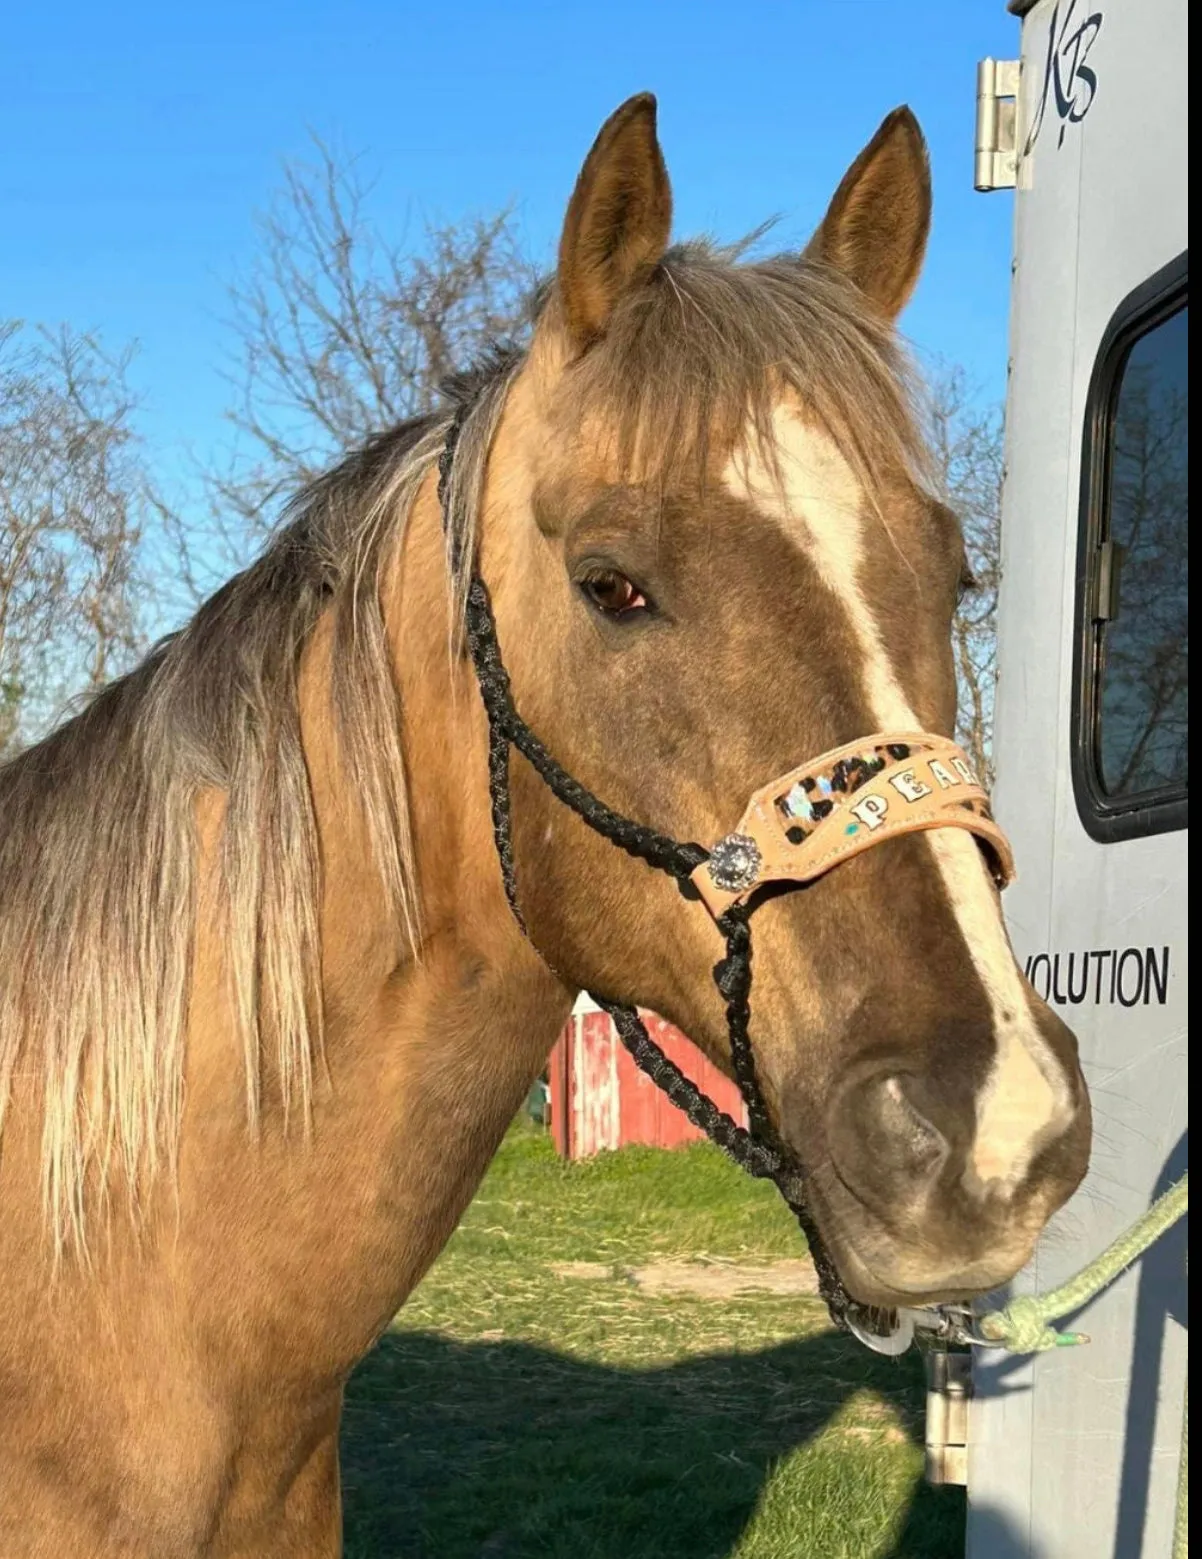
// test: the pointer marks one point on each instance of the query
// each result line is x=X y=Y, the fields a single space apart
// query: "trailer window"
x=1133 y=592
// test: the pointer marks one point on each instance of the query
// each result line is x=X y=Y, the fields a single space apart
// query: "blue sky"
x=137 y=142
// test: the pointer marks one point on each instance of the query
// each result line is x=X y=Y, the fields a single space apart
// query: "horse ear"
x=875 y=230
x=618 y=220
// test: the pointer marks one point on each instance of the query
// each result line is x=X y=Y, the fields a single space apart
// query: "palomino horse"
x=264 y=1011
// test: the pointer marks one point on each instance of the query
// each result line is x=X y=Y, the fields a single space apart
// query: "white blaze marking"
x=818 y=496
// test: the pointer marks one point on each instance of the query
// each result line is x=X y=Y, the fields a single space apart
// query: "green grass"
x=513 y=1412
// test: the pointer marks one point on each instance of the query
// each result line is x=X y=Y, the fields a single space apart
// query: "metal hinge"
x=949 y=1387
x=1107 y=569
x=996 y=163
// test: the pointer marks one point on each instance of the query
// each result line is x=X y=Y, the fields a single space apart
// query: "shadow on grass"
x=503 y=1450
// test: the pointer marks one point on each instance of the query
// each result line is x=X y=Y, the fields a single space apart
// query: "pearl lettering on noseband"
x=907 y=786
x=871 y=811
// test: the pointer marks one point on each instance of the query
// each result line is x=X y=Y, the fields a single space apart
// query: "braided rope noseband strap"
x=794 y=829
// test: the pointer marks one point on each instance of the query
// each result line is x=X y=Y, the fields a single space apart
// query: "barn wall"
x=600 y=1099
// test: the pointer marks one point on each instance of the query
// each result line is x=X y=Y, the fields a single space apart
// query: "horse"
x=265 y=1012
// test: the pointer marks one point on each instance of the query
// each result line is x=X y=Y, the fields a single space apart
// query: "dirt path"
x=702 y=1279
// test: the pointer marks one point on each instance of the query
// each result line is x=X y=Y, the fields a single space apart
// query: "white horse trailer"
x=1075 y=1454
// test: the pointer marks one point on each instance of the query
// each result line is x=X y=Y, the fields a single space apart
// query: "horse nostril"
x=907 y=1126
x=881 y=1140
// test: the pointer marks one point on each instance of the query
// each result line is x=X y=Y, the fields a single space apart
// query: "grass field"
x=534 y=1399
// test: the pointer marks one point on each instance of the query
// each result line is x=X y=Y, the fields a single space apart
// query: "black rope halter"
x=759 y=1149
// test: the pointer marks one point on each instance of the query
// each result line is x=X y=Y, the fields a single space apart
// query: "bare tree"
x=966 y=440
x=340 y=333
x=73 y=499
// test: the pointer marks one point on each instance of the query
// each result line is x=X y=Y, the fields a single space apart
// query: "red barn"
x=600 y=1099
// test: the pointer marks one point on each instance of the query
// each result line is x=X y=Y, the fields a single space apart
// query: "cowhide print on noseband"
x=829 y=810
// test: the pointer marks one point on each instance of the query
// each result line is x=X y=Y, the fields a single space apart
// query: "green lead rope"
x=1024 y=1325
x=1181 y=1524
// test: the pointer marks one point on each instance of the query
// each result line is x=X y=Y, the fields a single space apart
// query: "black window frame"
x=1111 y=818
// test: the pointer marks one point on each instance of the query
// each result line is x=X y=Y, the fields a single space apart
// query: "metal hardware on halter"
x=734 y=864
x=891 y=1332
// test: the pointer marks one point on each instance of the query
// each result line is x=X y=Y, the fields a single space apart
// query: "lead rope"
x=1181 y=1521
x=758 y=1150
x=1023 y=1326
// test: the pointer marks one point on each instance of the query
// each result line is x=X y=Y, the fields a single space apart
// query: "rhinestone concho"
x=734 y=863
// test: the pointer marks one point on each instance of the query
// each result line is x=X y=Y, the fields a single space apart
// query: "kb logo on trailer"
x=1068 y=81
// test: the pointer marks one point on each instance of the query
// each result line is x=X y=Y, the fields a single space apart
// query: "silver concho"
x=734 y=863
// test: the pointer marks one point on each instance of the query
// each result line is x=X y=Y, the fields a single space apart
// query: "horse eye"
x=613 y=594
